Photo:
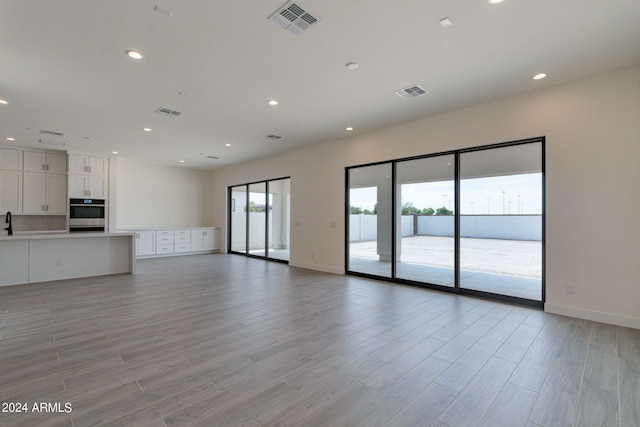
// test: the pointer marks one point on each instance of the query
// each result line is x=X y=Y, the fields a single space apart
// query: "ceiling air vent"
x=50 y=142
x=294 y=18
x=168 y=112
x=272 y=137
x=410 y=92
x=51 y=133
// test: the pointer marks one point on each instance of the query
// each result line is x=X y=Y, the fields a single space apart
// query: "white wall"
x=151 y=196
x=593 y=149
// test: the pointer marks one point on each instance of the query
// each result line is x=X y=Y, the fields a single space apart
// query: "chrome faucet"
x=7 y=219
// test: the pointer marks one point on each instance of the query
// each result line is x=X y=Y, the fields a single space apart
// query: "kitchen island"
x=38 y=257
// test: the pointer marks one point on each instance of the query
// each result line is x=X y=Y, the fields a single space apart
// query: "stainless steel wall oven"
x=86 y=215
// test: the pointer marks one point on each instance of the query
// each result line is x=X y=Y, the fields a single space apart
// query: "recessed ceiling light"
x=349 y=129
x=273 y=102
x=352 y=65
x=181 y=161
x=495 y=1
x=146 y=129
x=446 y=22
x=539 y=76
x=2 y=101
x=10 y=138
x=134 y=54
x=114 y=152
x=227 y=145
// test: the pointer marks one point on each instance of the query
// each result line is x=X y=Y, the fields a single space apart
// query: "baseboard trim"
x=317 y=268
x=596 y=316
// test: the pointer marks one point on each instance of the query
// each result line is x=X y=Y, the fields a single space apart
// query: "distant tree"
x=375 y=209
x=254 y=208
x=427 y=211
x=444 y=211
x=355 y=210
x=409 y=209
x=368 y=212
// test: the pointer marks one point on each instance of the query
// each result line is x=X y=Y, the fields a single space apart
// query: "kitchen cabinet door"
x=56 y=163
x=56 y=194
x=44 y=194
x=81 y=186
x=98 y=166
x=11 y=160
x=88 y=165
x=78 y=186
x=145 y=243
x=33 y=193
x=10 y=192
x=202 y=239
x=97 y=186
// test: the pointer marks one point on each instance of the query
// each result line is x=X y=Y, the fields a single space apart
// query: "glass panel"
x=257 y=211
x=279 y=218
x=238 y=214
x=501 y=221
x=370 y=220
x=425 y=194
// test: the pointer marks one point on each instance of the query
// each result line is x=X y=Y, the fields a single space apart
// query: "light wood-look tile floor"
x=225 y=340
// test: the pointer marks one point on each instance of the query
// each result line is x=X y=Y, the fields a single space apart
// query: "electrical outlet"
x=59 y=263
x=569 y=289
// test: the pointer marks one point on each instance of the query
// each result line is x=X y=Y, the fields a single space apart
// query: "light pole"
x=503 y=203
x=518 y=204
x=472 y=207
x=509 y=207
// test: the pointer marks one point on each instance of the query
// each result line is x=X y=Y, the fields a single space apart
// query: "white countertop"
x=36 y=235
x=168 y=228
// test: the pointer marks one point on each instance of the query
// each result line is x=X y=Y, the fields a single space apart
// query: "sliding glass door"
x=370 y=216
x=501 y=225
x=279 y=208
x=469 y=221
x=238 y=203
x=257 y=212
x=425 y=198
x=259 y=219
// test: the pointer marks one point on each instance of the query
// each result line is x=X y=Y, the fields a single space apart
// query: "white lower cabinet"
x=167 y=242
x=203 y=239
x=145 y=243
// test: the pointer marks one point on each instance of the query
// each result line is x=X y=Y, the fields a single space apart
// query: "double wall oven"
x=86 y=215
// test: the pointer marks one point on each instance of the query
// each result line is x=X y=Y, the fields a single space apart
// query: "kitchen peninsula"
x=43 y=257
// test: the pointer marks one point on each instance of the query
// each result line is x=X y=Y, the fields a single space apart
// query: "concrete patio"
x=507 y=267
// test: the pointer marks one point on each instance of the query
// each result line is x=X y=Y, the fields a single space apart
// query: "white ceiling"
x=63 y=68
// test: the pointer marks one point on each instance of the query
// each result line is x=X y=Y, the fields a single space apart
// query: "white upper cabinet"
x=44 y=194
x=88 y=165
x=43 y=162
x=10 y=160
x=10 y=192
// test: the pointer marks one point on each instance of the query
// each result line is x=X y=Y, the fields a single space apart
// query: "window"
x=469 y=221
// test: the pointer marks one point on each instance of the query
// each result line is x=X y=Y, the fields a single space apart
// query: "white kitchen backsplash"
x=38 y=223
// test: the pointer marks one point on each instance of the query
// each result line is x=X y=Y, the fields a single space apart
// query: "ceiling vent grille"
x=51 y=133
x=409 y=92
x=167 y=112
x=294 y=18
x=50 y=142
x=272 y=137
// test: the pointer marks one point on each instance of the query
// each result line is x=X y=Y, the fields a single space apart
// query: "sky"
x=513 y=194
